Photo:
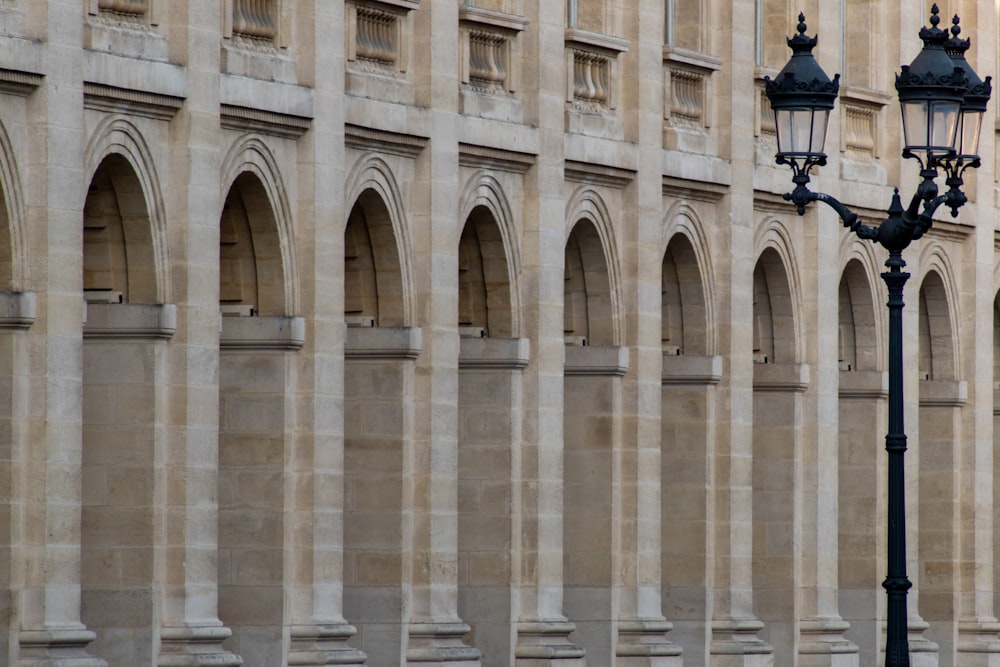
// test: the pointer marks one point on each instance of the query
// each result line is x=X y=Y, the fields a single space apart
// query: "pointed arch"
x=119 y=145
x=250 y=156
x=586 y=205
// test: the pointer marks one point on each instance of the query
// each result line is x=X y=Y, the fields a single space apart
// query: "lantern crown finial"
x=934 y=35
x=801 y=43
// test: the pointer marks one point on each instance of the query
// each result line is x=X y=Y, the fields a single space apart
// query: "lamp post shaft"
x=896 y=584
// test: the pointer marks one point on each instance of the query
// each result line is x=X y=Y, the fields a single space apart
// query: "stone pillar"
x=257 y=417
x=777 y=562
x=686 y=480
x=17 y=313
x=378 y=464
x=489 y=497
x=937 y=576
x=192 y=634
x=50 y=631
x=435 y=633
x=861 y=528
x=543 y=631
x=124 y=417
x=591 y=486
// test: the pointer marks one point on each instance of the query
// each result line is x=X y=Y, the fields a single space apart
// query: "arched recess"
x=379 y=284
x=123 y=402
x=861 y=463
x=592 y=288
x=778 y=383
x=689 y=374
x=591 y=424
x=937 y=350
x=257 y=405
x=940 y=454
x=256 y=206
x=775 y=339
x=378 y=408
x=859 y=347
x=685 y=310
x=13 y=260
x=125 y=190
x=485 y=204
x=489 y=398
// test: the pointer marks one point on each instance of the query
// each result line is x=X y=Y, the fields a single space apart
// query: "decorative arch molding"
x=371 y=172
x=117 y=135
x=483 y=189
x=13 y=211
x=773 y=235
x=252 y=155
x=587 y=204
x=934 y=259
x=864 y=253
x=681 y=219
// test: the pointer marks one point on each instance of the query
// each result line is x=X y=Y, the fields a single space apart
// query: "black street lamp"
x=942 y=101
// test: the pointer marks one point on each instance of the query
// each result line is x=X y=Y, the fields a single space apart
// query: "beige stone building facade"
x=431 y=332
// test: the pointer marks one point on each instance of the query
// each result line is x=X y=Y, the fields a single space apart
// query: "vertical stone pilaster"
x=51 y=632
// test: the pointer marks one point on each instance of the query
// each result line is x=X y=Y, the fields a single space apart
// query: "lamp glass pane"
x=944 y=124
x=801 y=130
x=915 y=123
x=967 y=139
x=821 y=122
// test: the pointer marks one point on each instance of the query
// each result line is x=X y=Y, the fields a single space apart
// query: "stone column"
x=125 y=404
x=17 y=313
x=192 y=633
x=489 y=496
x=543 y=631
x=50 y=629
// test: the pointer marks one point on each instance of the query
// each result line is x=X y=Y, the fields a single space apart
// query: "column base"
x=822 y=643
x=57 y=647
x=544 y=643
x=643 y=643
x=440 y=643
x=979 y=642
x=319 y=645
x=196 y=646
x=923 y=652
x=735 y=644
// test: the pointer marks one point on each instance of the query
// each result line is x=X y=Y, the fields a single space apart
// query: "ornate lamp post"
x=942 y=101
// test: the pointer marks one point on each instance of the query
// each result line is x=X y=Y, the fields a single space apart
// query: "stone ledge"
x=596 y=360
x=493 y=353
x=691 y=370
x=17 y=310
x=383 y=343
x=863 y=384
x=130 y=321
x=262 y=333
x=781 y=377
x=943 y=393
